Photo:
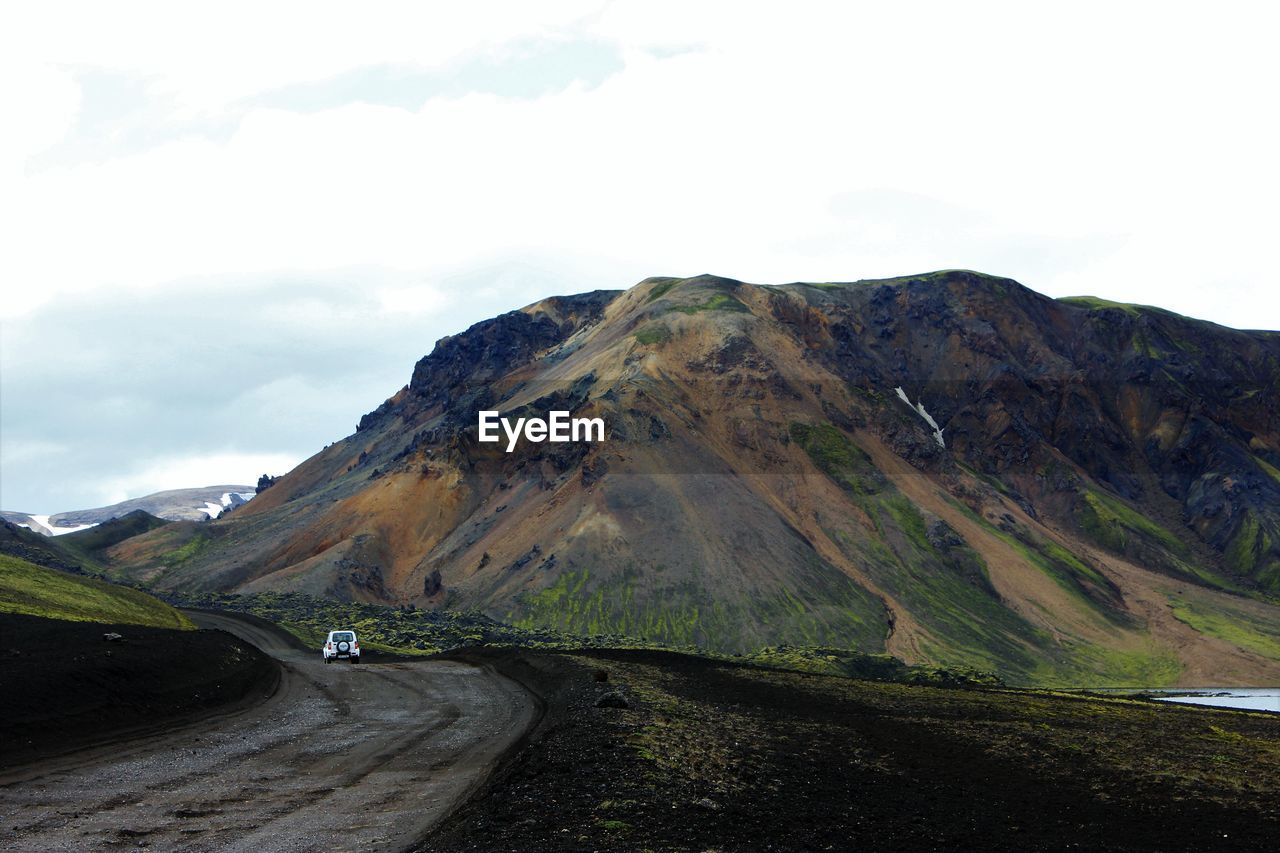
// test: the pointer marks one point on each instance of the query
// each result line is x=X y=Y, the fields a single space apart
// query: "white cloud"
x=45 y=99
x=12 y=452
x=184 y=472
x=1119 y=149
x=1086 y=129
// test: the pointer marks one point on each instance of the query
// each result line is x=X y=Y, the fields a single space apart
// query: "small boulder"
x=942 y=536
x=112 y=637
x=601 y=675
x=612 y=699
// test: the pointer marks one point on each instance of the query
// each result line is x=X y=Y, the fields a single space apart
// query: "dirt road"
x=342 y=757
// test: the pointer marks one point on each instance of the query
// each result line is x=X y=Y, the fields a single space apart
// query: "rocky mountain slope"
x=949 y=467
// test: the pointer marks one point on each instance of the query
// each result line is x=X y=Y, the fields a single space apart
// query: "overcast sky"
x=229 y=230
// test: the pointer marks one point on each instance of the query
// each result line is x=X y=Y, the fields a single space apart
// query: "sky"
x=228 y=230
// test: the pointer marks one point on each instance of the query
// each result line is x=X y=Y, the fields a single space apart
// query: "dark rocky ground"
x=65 y=687
x=712 y=756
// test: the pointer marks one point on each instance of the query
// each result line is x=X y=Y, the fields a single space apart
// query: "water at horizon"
x=1248 y=699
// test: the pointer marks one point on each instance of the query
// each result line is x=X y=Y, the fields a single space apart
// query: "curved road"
x=341 y=757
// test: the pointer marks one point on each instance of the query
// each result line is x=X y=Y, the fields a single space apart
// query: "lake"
x=1250 y=699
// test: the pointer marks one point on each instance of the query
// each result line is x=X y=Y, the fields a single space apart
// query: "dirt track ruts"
x=341 y=757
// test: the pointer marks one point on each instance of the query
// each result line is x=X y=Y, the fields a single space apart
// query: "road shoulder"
x=74 y=690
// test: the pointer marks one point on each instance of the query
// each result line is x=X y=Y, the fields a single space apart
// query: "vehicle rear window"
x=343 y=636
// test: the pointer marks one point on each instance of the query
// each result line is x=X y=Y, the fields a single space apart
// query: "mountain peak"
x=773 y=473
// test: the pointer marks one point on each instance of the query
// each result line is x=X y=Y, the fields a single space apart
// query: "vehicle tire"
x=328 y=660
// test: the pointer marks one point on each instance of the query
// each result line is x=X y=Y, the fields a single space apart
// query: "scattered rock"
x=527 y=558
x=601 y=675
x=612 y=699
x=708 y=804
x=112 y=637
x=942 y=536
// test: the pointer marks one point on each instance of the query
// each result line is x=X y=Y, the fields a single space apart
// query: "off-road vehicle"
x=341 y=644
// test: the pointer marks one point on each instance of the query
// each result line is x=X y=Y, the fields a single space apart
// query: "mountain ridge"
x=191 y=504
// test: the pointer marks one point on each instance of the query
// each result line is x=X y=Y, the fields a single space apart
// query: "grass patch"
x=1236 y=627
x=660 y=290
x=1097 y=303
x=1100 y=666
x=36 y=591
x=653 y=333
x=717 y=302
x=839 y=458
x=1111 y=523
x=820 y=606
x=182 y=555
x=1249 y=543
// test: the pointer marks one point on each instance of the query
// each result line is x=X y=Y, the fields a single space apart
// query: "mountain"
x=948 y=467
x=80 y=552
x=173 y=505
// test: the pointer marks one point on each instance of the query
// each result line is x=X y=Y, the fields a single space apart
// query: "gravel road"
x=341 y=757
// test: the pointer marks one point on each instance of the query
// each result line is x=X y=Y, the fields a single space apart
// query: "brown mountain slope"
x=1106 y=506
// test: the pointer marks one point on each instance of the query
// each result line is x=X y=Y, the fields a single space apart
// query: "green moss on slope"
x=1097 y=303
x=36 y=591
x=716 y=302
x=946 y=589
x=1243 y=551
x=660 y=289
x=1234 y=626
x=1088 y=663
x=839 y=458
x=1112 y=524
x=820 y=607
x=653 y=333
x=186 y=552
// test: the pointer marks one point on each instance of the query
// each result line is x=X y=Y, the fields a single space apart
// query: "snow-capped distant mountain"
x=229 y=500
x=42 y=524
x=174 y=505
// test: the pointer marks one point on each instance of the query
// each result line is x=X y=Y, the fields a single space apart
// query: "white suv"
x=341 y=644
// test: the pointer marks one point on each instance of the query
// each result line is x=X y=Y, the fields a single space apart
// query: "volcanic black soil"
x=713 y=756
x=65 y=687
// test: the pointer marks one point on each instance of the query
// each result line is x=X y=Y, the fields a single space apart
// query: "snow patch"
x=928 y=418
x=228 y=500
x=50 y=529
